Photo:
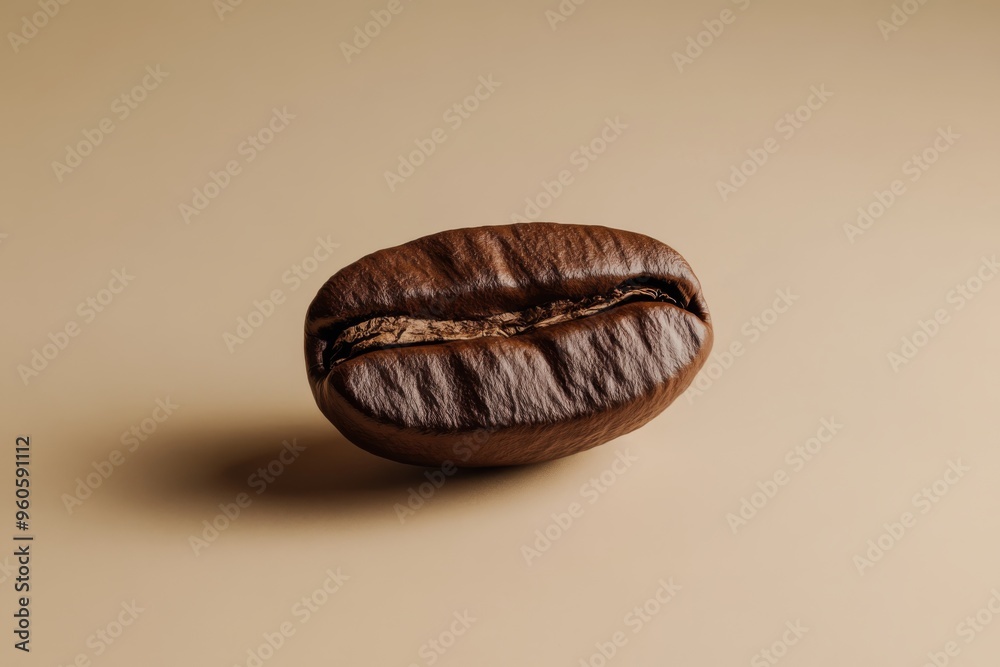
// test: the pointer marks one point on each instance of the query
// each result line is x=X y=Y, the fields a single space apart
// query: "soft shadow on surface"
x=217 y=465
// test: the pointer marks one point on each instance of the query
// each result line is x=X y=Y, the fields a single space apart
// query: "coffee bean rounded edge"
x=505 y=345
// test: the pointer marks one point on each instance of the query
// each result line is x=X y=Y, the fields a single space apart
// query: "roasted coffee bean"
x=505 y=345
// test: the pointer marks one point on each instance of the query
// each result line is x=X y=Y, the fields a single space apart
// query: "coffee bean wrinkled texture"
x=505 y=345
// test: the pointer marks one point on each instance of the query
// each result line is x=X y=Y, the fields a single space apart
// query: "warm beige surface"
x=676 y=131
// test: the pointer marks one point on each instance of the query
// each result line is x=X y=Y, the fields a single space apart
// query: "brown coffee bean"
x=505 y=345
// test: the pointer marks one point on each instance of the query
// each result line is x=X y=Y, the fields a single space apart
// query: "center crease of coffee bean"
x=403 y=330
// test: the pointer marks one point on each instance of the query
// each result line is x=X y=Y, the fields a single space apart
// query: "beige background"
x=324 y=176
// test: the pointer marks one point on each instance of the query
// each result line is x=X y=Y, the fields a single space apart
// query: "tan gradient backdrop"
x=814 y=302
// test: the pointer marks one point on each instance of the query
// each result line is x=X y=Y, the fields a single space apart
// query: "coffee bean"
x=548 y=338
